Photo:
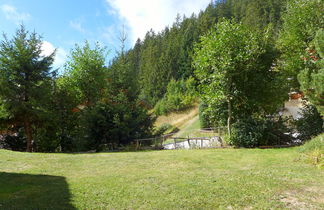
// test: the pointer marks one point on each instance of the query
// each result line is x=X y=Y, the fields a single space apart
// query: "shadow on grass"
x=26 y=191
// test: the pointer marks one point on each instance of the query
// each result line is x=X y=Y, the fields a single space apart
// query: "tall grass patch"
x=313 y=151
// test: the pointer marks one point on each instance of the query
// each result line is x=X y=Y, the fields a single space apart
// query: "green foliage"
x=81 y=85
x=46 y=136
x=122 y=77
x=258 y=13
x=314 y=150
x=16 y=142
x=230 y=61
x=251 y=132
x=311 y=78
x=311 y=123
x=110 y=114
x=66 y=113
x=58 y=112
x=25 y=76
x=316 y=143
x=180 y=95
x=86 y=71
x=203 y=116
x=153 y=78
x=167 y=55
x=165 y=128
x=300 y=43
x=4 y=115
x=115 y=124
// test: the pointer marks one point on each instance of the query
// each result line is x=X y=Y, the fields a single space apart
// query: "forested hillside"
x=238 y=58
x=164 y=55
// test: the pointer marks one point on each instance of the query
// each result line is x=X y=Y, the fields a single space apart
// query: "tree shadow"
x=26 y=191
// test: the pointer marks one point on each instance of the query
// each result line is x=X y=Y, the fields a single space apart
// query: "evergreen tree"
x=25 y=75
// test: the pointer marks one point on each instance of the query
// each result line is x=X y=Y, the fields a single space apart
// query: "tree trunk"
x=28 y=133
x=229 y=119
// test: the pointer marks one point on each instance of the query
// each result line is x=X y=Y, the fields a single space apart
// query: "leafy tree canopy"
x=301 y=45
x=87 y=72
x=233 y=67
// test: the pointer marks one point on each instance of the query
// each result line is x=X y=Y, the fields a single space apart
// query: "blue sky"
x=64 y=23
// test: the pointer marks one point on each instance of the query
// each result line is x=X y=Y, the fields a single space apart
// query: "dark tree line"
x=90 y=106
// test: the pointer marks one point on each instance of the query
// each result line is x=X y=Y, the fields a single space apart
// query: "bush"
x=311 y=123
x=46 y=138
x=252 y=132
x=16 y=141
x=114 y=124
x=164 y=129
x=180 y=95
x=203 y=116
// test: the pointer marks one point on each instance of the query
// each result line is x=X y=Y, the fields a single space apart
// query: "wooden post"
x=162 y=140
x=201 y=143
x=188 y=142
x=137 y=144
x=175 y=143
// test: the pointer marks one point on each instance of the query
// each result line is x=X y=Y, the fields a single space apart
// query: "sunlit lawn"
x=186 y=179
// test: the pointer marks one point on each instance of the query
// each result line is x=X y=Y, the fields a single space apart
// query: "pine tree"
x=25 y=76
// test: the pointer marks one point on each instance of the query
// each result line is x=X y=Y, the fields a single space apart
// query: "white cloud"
x=111 y=35
x=142 y=15
x=47 y=48
x=76 y=24
x=12 y=14
x=60 y=56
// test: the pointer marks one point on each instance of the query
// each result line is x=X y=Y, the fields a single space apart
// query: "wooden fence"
x=196 y=142
x=157 y=142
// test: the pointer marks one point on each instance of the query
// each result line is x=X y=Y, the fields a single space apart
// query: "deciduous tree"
x=301 y=46
x=233 y=66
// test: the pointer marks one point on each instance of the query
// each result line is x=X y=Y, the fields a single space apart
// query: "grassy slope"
x=177 y=119
x=189 y=128
x=186 y=121
x=187 y=179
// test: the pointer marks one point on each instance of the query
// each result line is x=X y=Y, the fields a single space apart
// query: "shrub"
x=180 y=95
x=311 y=123
x=203 y=116
x=114 y=124
x=46 y=138
x=251 y=132
x=16 y=141
x=164 y=129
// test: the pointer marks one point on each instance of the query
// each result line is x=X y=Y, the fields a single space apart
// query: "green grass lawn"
x=185 y=179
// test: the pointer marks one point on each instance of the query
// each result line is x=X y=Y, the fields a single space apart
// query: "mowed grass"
x=180 y=179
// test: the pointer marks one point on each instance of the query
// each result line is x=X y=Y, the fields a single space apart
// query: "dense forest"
x=238 y=58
